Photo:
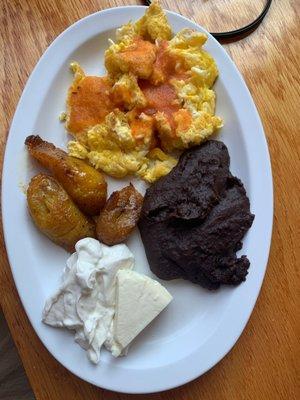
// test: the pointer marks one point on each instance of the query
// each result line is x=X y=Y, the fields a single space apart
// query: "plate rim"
x=9 y=249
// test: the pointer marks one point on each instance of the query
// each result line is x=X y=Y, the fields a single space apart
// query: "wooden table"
x=262 y=365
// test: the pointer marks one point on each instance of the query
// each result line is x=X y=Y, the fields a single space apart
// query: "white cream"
x=102 y=300
x=85 y=302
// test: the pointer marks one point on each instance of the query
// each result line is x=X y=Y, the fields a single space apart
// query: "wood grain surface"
x=264 y=362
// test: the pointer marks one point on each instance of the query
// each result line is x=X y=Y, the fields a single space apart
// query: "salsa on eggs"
x=157 y=99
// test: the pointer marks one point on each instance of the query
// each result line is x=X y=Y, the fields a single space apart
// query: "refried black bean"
x=194 y=218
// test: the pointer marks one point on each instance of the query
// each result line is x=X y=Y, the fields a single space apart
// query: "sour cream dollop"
x=85 y=301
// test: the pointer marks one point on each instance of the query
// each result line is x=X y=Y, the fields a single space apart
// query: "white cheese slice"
x=139 y=299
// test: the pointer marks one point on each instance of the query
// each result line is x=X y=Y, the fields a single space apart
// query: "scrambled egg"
x=186 y=47
x=136 y=56
x=156 y=99
x=152 y=26
x=127 y=92
x=88 y=101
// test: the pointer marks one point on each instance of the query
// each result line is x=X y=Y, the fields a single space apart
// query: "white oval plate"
x=199 y=327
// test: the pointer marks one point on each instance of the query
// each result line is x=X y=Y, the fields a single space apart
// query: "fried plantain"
x=119 y=216
x=84 y=184
x=55 y=214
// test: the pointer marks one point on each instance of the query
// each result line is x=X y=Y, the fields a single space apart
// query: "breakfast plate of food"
x=137 y=200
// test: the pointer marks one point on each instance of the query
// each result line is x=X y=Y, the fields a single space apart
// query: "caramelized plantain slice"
x=119 y=216
x=84 y=184
x=55 y=214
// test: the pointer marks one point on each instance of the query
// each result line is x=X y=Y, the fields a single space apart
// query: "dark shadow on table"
x=14 y=384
